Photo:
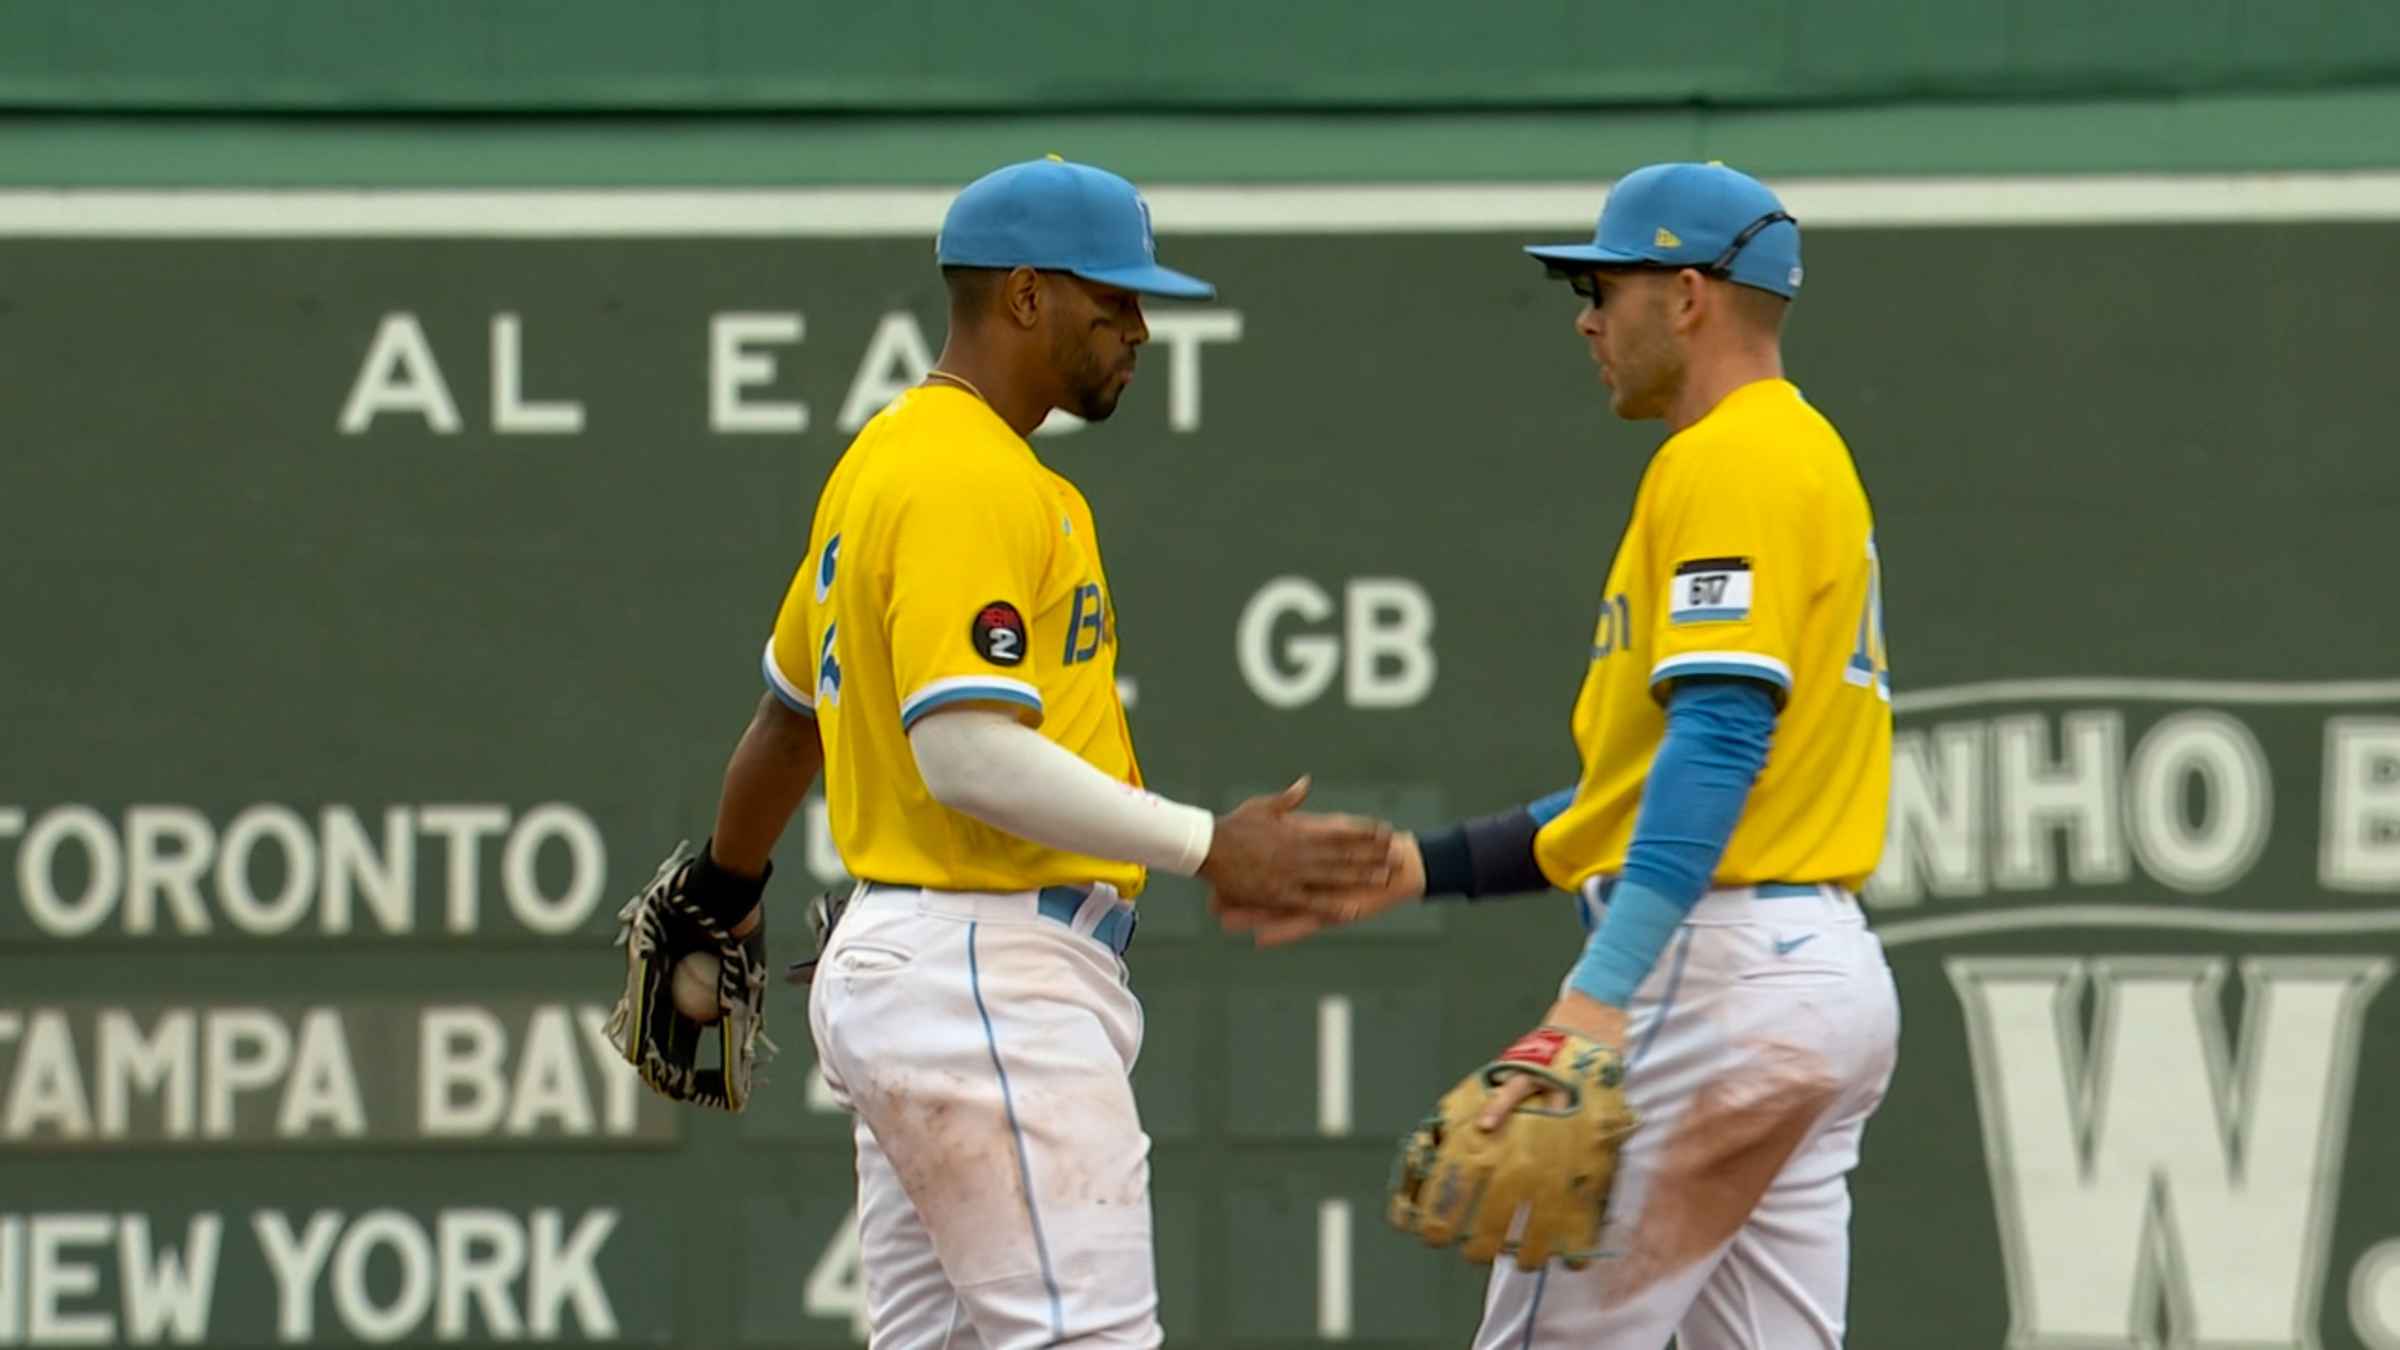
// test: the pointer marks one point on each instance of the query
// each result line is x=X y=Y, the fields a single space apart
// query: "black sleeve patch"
x=999 y=633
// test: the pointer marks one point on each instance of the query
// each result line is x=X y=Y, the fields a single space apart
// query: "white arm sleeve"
x=988 y=765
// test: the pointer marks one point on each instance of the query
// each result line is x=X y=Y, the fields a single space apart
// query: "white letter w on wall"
x=2154 y=1165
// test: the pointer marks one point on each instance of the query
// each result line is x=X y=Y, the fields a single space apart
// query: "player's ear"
x=1021 y=297
x=1687 y=293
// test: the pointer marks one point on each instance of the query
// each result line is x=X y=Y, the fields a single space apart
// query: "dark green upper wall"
x=1050 y=55
x=2229 y=134
x=415 y=93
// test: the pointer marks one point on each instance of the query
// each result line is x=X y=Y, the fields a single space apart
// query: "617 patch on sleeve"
x=1709 y=590
x=998 y=633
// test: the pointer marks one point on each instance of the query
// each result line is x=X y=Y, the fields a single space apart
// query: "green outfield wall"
x=381 y=600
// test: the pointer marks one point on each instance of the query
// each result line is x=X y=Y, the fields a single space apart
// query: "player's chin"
x=1633 y=405
x=1097 y=405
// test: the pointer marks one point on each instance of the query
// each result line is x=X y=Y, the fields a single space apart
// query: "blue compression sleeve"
x=1547 y=809
x=1716 y=743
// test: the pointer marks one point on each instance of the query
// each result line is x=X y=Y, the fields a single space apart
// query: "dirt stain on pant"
x=1085 y=1137
x=950 y=1144
x=1724 y=1154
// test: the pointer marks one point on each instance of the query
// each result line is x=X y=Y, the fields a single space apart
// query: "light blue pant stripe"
x=1541 y=1281
x=1041 y=1247
x=1666 y=1002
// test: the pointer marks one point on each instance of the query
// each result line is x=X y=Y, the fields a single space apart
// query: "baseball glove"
x=1551 y=1160
x=692 y=906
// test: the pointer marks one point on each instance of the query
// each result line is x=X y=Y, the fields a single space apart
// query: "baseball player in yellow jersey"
x=1735 y=737
x=946 y=654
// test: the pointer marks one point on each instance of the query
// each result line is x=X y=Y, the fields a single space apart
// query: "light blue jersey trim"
x=1008 y=1105
x=785 y=692
x=968 y=694
x=1763 y=668
x=1708 y=615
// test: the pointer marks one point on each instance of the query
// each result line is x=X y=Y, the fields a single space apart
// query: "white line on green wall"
x=1185 y=209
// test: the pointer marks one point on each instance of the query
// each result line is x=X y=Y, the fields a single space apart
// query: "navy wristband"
x=727 y=896
x=1487 y=856
x=1449 y=867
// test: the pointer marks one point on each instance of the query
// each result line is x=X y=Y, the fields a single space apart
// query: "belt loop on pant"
x=1114 y=926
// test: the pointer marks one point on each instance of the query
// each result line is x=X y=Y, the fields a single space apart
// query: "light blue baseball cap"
x=1065 y=217
x=1705 y=216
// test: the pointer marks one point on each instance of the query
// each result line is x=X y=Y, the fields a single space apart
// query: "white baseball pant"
x=985 y=1044
x=1756 y=1051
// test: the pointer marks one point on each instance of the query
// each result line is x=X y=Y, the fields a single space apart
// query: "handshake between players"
x=1266 y=856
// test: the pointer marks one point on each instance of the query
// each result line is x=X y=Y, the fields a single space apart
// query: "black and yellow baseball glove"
x=692 y=906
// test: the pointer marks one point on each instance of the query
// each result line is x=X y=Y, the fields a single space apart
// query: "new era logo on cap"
x=1707 y=216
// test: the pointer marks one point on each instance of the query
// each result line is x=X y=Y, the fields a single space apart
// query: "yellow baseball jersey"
x=948 y=565
x=1751 y=551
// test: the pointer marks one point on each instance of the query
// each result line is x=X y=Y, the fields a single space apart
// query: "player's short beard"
x=1651 y=388
x=1646 y=384
x=1091 y=390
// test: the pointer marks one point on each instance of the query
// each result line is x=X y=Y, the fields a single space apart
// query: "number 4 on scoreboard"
x=837 y=1285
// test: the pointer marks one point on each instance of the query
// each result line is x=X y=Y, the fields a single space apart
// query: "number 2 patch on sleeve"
x=1709 y=590
x=999 y=633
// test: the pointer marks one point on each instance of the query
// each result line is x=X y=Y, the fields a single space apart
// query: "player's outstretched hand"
x=1328 y=908
x=1268 y=854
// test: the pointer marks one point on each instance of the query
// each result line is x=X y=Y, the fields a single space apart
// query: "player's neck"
x=1707 y=382
x=990 y=376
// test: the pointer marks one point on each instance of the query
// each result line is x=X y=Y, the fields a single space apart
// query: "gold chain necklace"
x=959 y=381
